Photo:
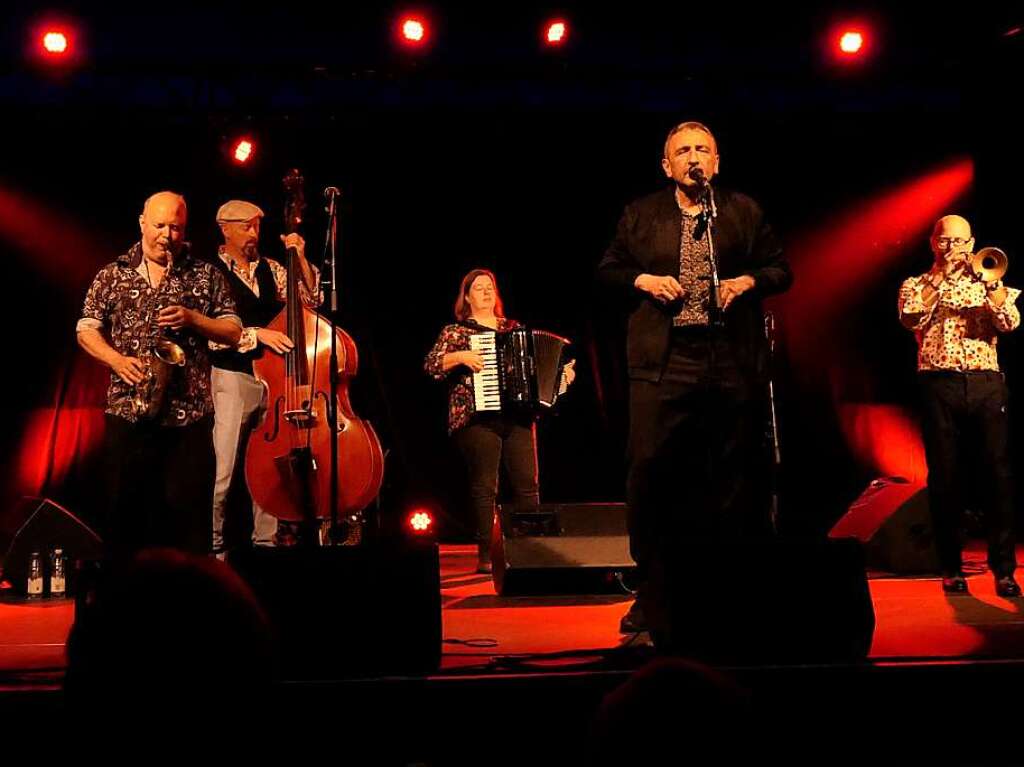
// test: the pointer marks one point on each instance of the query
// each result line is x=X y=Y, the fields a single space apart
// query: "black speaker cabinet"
x=891 y=518
x=41 y=525
x=784 y=601
x=560 y=548
x=350 y=611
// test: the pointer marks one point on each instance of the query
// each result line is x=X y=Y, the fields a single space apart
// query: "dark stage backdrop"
x=526 y=178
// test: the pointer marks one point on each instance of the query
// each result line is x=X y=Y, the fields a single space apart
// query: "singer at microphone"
x=697 y=362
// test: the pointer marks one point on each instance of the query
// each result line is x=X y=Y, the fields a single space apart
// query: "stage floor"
x=914 y=621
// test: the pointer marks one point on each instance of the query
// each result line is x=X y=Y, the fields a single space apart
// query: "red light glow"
x=837 y=260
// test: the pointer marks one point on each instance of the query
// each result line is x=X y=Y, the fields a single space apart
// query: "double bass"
x=288 y=460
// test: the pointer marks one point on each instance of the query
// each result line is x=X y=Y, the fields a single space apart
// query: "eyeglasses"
x=956 y=242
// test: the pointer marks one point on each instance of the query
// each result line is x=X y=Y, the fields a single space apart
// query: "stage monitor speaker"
x=350 y=611
x=43 y=525
x=784 y=601
x=892 y=520
x=569 y=548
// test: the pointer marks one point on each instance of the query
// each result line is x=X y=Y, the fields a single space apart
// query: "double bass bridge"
x=301 y=418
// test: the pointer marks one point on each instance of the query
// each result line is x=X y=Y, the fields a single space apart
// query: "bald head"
x=163 y=226
x=951 y=238
x=951 y=223
x=165 y=201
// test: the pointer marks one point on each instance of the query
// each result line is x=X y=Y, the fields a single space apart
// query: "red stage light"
x=55 y=42
x=556 y=33
x=851 y=42
x=413 y=30
x=421 y=521
x=243 y=151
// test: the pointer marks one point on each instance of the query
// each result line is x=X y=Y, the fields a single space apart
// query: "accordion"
x=522 y=369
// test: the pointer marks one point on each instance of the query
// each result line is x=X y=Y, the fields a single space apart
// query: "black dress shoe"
x=955 y=584
x=1007 y=587
x=633 y=622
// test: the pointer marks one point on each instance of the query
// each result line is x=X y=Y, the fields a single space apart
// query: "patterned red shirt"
x=455 y=338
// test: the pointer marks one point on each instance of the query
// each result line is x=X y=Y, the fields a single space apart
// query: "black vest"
x=254 y=311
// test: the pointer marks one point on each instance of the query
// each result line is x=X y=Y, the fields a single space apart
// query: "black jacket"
x=648 y=241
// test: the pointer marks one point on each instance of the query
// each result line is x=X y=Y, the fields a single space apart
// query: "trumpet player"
x=158 y=438
x=957 y=311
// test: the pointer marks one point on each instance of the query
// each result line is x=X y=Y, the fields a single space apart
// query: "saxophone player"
x=957 y=314
x=159 y=454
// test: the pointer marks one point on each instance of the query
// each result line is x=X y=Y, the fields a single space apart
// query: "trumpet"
x=988 y=264
x=160 y=360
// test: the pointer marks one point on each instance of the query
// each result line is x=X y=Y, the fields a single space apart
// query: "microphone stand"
x=708 y=213
x=330 y=260
x=773 y=423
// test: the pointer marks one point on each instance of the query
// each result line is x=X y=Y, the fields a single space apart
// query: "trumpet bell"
x=989 y=264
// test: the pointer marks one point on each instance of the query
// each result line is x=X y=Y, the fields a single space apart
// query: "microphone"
x=697 y=174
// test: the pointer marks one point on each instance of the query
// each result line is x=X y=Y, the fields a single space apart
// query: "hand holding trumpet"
x=987 y=266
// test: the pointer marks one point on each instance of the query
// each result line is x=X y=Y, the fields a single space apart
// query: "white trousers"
x=238 y=400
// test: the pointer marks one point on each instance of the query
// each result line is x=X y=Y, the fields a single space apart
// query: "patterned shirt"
x=694 y=272
x=122 y=303
x=455 y=338
x=247 y=275
x=958 y=332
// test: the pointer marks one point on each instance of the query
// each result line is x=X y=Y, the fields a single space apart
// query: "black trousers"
x=159 y=486
x=492 y=439
x=693 y=449
x=966 y=443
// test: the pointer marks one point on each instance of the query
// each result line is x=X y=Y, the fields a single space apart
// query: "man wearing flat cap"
x=259 y=287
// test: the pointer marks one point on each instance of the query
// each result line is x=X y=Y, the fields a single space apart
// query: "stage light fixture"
x=556 y=33
x=851 y=42
x=413 y=30
x=55 y=42
x=421 y=521
x=243 y=151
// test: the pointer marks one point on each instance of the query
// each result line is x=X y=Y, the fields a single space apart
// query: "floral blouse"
x=455 y=338
x=959 y=331
x=121 y=304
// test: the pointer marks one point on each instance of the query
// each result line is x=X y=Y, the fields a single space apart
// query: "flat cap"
x=238 y=210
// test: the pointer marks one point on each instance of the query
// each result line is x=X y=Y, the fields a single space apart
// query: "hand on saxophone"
x=175 y=317
x=129 y=369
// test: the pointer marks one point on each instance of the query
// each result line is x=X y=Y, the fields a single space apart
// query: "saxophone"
x=161 y=359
